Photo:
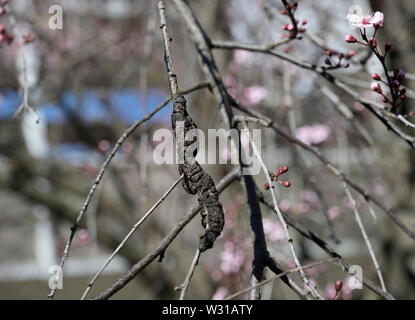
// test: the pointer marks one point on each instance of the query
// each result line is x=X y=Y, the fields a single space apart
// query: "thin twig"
x=312 y=236
x=24 y=106
x=364 y=234
x=105 y=165
x=281 y=218
x=128 y=236
x=165 y=242
x=262 y=283
x=208 y=64
x=342 y=176
x=380 y=111
x=185 y=285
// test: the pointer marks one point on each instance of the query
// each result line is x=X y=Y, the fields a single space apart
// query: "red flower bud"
x=375 y=76
x=338 y=285
x=349 y=38
x=350 y=54
x=286 y=184
x=374 y=86
x=283 y=12
x=290 y=27
x=266 y=186
x=281 y=170
x=388 y=47
x=304 y=22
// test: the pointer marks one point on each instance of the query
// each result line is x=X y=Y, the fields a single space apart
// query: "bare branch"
x=164 y=243
x=128 y=236
x=185 y=285
x=105 y=165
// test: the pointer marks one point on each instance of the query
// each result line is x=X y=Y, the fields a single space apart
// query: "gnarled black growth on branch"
x=197 y=181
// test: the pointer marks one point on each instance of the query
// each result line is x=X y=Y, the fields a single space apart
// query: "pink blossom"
x=350 y=38
x=232 y=260
x=374 y=86
x=220 y=294
x=358 y=106
x=255 y=94
x=311 y=197
x=273 y=230
x=216 y=275
x=241 y=56
x=330 y=291
x=127 y=147
x=103 y=145
x=366 y=21
x=229 y=80
x=83 y=235
x=313 y=134
x=333 y=212
x=285 y=205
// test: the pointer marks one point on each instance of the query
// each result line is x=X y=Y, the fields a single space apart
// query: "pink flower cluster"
x=232 y=258
x=397 y=94
x=375 y=20
x=315 y=134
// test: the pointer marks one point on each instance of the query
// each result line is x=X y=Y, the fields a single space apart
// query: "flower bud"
x=350 y=54
x=388 y=47
x=374 y=86
x=338 y=285
x=266 y=186
x=396 y=84
x=401 y=75
x=375 y=76
x=286 y=184
x=349 y=38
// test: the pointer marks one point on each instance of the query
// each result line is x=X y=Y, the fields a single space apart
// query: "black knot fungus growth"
x=196 y=180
